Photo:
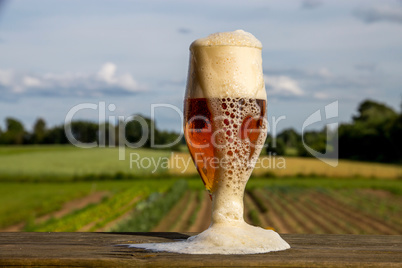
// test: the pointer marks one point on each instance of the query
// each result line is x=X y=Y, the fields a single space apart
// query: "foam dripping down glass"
x=225 y=128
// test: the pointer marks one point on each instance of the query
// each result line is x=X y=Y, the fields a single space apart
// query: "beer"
x=226 y=128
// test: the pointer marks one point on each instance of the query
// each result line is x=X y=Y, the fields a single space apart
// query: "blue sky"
x=57 y=54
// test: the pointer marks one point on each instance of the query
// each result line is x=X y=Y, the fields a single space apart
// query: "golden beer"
x=233 y=126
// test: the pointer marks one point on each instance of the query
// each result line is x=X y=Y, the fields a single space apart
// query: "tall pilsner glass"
x=225 y=128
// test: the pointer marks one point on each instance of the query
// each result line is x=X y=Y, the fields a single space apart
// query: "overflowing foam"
x=239 y=238
x=226 y=65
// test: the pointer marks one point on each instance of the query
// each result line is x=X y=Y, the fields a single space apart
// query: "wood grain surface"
x=103 y=250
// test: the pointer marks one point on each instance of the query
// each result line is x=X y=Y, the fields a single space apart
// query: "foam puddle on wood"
x=238 y=238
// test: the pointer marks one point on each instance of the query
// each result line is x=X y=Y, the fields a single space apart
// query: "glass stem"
x=227 y=205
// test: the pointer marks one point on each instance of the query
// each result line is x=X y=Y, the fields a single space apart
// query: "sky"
x=133 y=56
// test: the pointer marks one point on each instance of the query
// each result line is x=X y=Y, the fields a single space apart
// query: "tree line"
x=373 y=135
x=88 y=132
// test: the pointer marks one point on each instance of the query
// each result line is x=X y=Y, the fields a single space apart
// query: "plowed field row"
x=286 y=212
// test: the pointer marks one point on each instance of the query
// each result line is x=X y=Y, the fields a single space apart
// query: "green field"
x=27 y=201
x=63 y=188
x=67 y=162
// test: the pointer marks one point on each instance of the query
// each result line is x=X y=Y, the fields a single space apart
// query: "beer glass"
x=225 y=128
x=225 y=134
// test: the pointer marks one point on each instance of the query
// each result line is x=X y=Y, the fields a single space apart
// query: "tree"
x=372 y=136
x=134 y=131
x=372 y=112
x=275 y=148
x=166 y=137
x=316 y=140
x=55 y=135
x=14 y=134
x=107 y=136
x=84 y=131
x=39 y=131
x=290 y=137
x=395 y=134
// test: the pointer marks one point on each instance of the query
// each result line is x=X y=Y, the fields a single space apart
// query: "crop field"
x=68 y=162
x=62 y=188
x=290 y=208
x=318 y=205
x=71 y=206
x=303 y=166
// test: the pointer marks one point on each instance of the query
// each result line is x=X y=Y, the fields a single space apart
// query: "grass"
x=97 y=216
x=22 y=202
x=149 y=212
x=44 y=162
x=21 y=149
x=27 y=201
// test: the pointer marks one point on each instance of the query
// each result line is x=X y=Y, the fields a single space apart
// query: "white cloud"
x=105 y=82
x=282 y=86
x=322 y=84
x=30 y=81
x=108 y=74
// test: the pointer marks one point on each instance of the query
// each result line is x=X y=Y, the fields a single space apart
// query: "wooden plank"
x=101 y=249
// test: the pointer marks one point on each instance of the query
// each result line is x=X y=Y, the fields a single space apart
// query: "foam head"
x=226 y=65
x=235 y=38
